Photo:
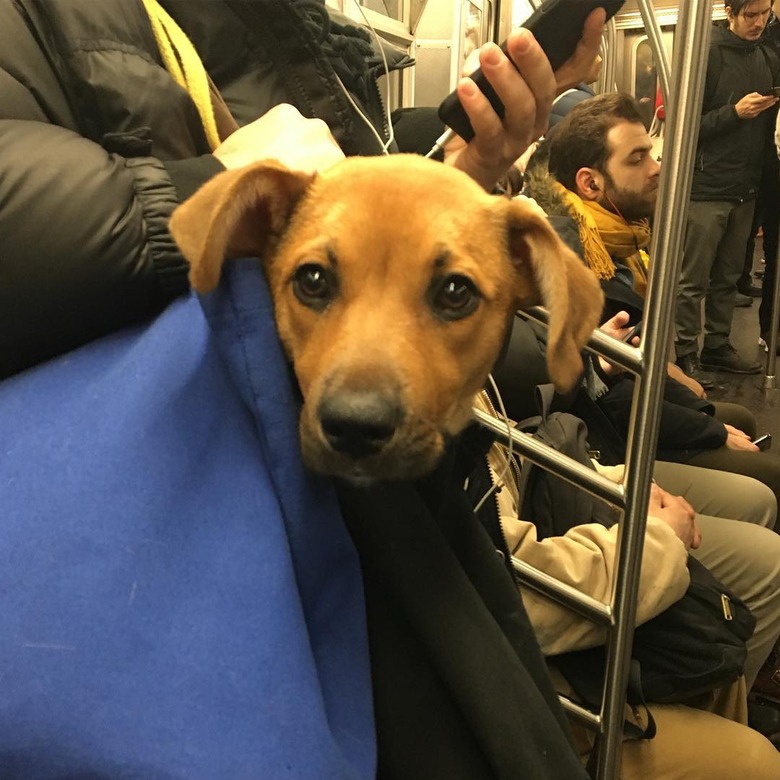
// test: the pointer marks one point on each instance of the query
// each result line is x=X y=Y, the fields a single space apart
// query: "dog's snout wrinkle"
x=359 y=423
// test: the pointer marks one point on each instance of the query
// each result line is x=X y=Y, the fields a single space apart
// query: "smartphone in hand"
x=633 y=333
x=763 y=442
x=557 y=26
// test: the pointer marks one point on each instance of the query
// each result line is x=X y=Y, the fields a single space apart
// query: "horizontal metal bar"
x=585 y=716
x=545 y=456
x=564 y=594
x=624 y=355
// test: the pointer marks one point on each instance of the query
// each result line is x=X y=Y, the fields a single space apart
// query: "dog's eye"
x=314 y=286
x=455 y=297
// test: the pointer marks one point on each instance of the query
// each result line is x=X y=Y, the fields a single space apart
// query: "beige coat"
x=585 y=559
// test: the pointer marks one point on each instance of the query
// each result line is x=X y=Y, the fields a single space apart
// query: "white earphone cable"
x=391 y=134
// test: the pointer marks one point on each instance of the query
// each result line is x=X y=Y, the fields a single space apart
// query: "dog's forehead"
x=401 y=199
x=425 y=186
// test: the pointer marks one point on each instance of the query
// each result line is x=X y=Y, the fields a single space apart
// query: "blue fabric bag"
x=175 y=602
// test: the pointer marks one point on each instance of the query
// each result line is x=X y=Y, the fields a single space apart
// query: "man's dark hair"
x=580 y=140
x=736 y=5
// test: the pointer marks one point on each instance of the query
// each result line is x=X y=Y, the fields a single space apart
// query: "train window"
x=391 y=8
x=645 y=78
x=472 y=29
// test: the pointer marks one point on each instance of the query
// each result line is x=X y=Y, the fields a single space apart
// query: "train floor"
x=755 y=392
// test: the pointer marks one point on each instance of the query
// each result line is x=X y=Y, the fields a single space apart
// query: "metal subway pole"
x=690 y=59
x=770 y=377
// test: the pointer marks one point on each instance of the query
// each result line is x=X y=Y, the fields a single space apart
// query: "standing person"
x=733 y=143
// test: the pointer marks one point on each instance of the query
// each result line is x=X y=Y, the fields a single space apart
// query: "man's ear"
x=236 y=214
x=589 y=184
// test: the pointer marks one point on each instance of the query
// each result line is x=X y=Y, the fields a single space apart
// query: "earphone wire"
x=509 y=449
x=385 y=145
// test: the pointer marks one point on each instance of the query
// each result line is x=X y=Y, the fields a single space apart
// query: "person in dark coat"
x=734 y=139
x=103 y=133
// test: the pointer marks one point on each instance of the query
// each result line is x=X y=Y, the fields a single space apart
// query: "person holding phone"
x=98 y=151
x=734 y=141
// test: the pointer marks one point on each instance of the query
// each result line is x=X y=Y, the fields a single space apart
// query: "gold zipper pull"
x=726 y=605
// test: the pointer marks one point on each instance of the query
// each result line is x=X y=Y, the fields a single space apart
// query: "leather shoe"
x=726 y=358
x=741 y=301
x=690 y=365
x=750 y=290
x=764 y=717
x=767 y=684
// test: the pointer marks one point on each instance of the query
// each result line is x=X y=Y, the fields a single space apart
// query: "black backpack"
x=694 y=646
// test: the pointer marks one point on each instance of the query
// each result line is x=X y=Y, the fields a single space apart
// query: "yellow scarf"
x=605 y=235
x=183 y=63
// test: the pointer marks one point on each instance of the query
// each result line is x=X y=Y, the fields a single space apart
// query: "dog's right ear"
x=555 y=277
x=235 y=214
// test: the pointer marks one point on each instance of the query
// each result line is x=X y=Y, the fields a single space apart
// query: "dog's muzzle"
x=359 y=423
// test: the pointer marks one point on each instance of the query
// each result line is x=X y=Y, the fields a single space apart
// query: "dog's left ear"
x=236 y=214
x=553 y=276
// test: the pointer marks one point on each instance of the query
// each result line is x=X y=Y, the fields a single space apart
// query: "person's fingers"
x=688 y=508
x=484 y=120
x=577 y=67
x=539 y=88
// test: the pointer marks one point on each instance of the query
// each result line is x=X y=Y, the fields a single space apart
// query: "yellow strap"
x=183 y=63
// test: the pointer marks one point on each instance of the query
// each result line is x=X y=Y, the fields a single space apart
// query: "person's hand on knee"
x=677 y=513
x=738 y=440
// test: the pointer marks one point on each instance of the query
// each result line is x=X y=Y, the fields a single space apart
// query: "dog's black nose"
x=359 y=423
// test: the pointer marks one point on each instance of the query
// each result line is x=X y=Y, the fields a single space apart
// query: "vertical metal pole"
x=684 y=112
x=770 y=378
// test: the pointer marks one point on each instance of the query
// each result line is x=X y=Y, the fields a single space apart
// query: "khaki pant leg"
x=693 y=744
x=719 y=493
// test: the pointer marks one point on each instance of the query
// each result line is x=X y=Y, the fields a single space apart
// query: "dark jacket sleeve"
x=686 y=420
x=85 y=243
x=718 y=119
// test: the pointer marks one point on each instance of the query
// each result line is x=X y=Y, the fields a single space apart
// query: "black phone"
x=773 y=92
x=557 y=26
x=763 y=442
x=633 y=333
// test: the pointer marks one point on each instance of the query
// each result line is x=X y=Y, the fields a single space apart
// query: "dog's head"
x=393 y=281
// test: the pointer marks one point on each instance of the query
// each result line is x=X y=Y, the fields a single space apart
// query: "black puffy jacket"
x=98 y=145
x=730 y=152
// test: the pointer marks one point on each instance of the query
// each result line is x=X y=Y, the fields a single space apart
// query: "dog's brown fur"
x=386 y=373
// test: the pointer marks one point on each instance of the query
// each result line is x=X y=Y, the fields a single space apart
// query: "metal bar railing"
x=770 y=377
x=683 y=96
x=690 y=63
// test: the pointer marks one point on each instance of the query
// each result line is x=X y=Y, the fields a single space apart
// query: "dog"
x=394 y=281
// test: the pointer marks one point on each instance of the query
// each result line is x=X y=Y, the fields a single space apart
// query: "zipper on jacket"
x=514 y=467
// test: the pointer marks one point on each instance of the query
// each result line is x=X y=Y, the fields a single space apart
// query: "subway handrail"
x=683 y=116
x=683 y=97
x=770 y=377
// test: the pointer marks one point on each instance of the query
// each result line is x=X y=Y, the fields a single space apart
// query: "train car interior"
x=211 y=563
x=640 y=58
